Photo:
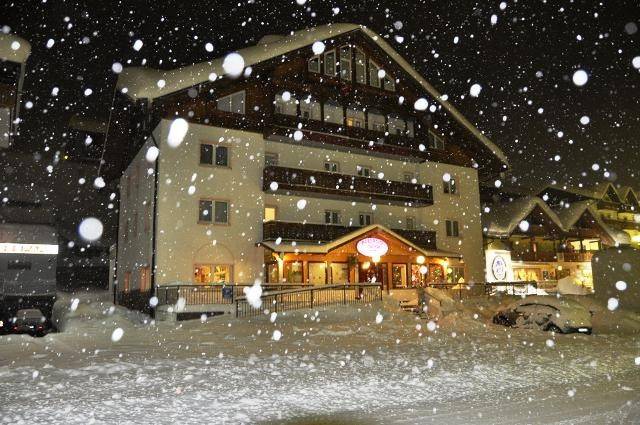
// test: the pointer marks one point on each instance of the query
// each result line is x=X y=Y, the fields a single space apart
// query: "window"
x=127 y=281
x=355 y=118
x=214 y=155
x=310 y=109
x=213 y=211
x=410 y=223
x=292 y=271
x=339 y=272
x=232 y=103
x=389 y=83
x=450 y=187
x=374 y=80
x=314 y=64
x=452 y=228
x=455 y=274
x=411 y=128
x=333 y=113
x=435 y=141
x=317 y=273
x=410 y=178
x=212 y=273
x=330 y=63
x=332 y=217
x=286 y=106
x=377 y=122
x=145 y=278
x=396 y=125
x=345 y=63
x=269 y=214
x=270 y=158
x=399 y=275
x=361 y=67
x=363 y=171
x=365 y=219
x=331 y=166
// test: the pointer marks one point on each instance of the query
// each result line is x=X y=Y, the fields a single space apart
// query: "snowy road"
x=341 y=363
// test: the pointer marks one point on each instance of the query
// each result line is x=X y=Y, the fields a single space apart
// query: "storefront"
x=372 y=254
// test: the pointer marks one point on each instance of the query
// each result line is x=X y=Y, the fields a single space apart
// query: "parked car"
x=548 y=313
x=30 y=321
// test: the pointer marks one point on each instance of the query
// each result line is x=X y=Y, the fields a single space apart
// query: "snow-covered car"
x=548 y=313
x=30 y=321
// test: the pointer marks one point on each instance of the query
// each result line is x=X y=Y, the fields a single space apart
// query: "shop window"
x=314 y=64
x=232 y=103
x=450 y=187
x=361 y=67
x=272 y=273
x=333 y=113
x=330 y=63
x=332 y=217
x=269 y=214
x=331 y=166
x=374 y=80
x=455 y=274
x=452 y=228
x=365 y=219
x=214 y=155
x=399 y=275
x=345 y=63
x=293 y=271
x=435 y=141
x=270 y=158
x=363 y=171
x=213 y=211
x=317 y=273
x=339 y=272
x=212 y=273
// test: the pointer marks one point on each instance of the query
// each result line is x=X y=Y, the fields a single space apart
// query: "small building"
x=277 y=162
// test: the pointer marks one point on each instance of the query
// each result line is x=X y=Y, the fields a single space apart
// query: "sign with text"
x=28 y=248
x=372 y=247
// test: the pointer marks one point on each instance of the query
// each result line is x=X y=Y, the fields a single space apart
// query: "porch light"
x=376 y=259
x=366 y=265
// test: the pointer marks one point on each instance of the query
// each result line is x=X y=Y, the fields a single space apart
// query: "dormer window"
x=330 y=63
x=389 y=83
x=435 y=141
x=361 y=67
x=374 y=80
x=345 y=63
x=314 y=64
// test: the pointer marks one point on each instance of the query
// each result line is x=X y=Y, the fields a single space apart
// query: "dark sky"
x=525 y=61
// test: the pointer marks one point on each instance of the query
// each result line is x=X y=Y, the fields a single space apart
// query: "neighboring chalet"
x=544 y=239
x=307 y=168
x=14 y=52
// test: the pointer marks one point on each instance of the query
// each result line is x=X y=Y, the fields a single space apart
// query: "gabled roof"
x=570 y=215
x=8 y=52
x=626 y=192
x=315 y=248
x=142 y=82
x=504 y=217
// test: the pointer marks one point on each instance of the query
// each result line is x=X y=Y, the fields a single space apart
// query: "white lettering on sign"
x=28 y=248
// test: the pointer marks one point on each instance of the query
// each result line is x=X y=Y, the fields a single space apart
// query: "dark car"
x=547 y=313
x=30 y=321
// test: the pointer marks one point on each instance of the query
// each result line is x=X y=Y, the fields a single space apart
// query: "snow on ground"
x=333 y=365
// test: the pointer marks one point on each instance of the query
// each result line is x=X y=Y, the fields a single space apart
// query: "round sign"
x=499 y=268
x=372 y=247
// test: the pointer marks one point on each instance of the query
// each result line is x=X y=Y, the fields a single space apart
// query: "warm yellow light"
x=420 y=259
x=636 y=238
x=376 y=259
x=366 y=265
x=445 y=264
x=559 y=267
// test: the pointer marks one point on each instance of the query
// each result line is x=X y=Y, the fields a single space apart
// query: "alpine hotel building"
x=306 y=168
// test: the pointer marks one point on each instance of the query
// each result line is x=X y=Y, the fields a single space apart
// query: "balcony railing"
x=575 y=257
x=615 y=206
x=534 y=256
x=273 y=230
x=354 y=187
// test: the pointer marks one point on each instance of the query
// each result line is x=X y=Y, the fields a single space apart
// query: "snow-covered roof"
x=323 y=248
x=142 y=82
x=570 y=215
x=14 y=48
x=504 y=217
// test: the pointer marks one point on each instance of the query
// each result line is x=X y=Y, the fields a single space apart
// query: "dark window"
x=222 y=156
x=330 y=63
x=450 y=187
x=365 y=219
x=206 y=211
x=206 y=154
x=314 y=64
x=332 y=217
x=452 y=228
x=222 y=212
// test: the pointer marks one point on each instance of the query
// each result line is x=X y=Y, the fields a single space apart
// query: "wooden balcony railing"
x=575 y=257
x=273 y=230
x=354 y=187
x=534 y=256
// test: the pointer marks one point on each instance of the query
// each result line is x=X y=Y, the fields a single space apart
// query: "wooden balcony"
x=273 y=230
x=543 y=257
x=324 y=184
x=575 y=257
x=615 y=206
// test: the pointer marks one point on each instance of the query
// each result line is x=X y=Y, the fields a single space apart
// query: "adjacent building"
x=14 y=52
x=317 y=157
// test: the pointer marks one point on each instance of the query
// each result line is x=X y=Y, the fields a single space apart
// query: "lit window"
x=269 y=213
x=314 y=64
x=345 y=63
x=330 y=63
x=232 y=103
x=374 y=80
x=361 y=67
x=355 y=118
x=212 y=273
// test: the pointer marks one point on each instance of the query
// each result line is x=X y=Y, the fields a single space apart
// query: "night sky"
x=523 y=61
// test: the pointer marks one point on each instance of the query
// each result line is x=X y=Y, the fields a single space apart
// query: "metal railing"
x=315 y=296
x=213 y=293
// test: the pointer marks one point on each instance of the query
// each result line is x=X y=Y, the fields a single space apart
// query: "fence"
x=461 y=291
x=310 y=297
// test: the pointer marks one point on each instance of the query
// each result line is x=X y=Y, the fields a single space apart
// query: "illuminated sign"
x=28 y=248
x=372 y=247
x=499 y=268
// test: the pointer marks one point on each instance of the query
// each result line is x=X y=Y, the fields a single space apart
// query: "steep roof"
x=8 y=42
x=570 y=215
x=142 y=82
x=506 y=216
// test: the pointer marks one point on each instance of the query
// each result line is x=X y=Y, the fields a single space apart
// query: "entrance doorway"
x=373 y=273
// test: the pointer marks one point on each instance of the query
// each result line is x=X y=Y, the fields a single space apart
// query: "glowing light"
x=28 y=248
x=372 y=247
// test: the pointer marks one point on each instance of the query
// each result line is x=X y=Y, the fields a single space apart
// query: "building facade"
x=280 y=173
